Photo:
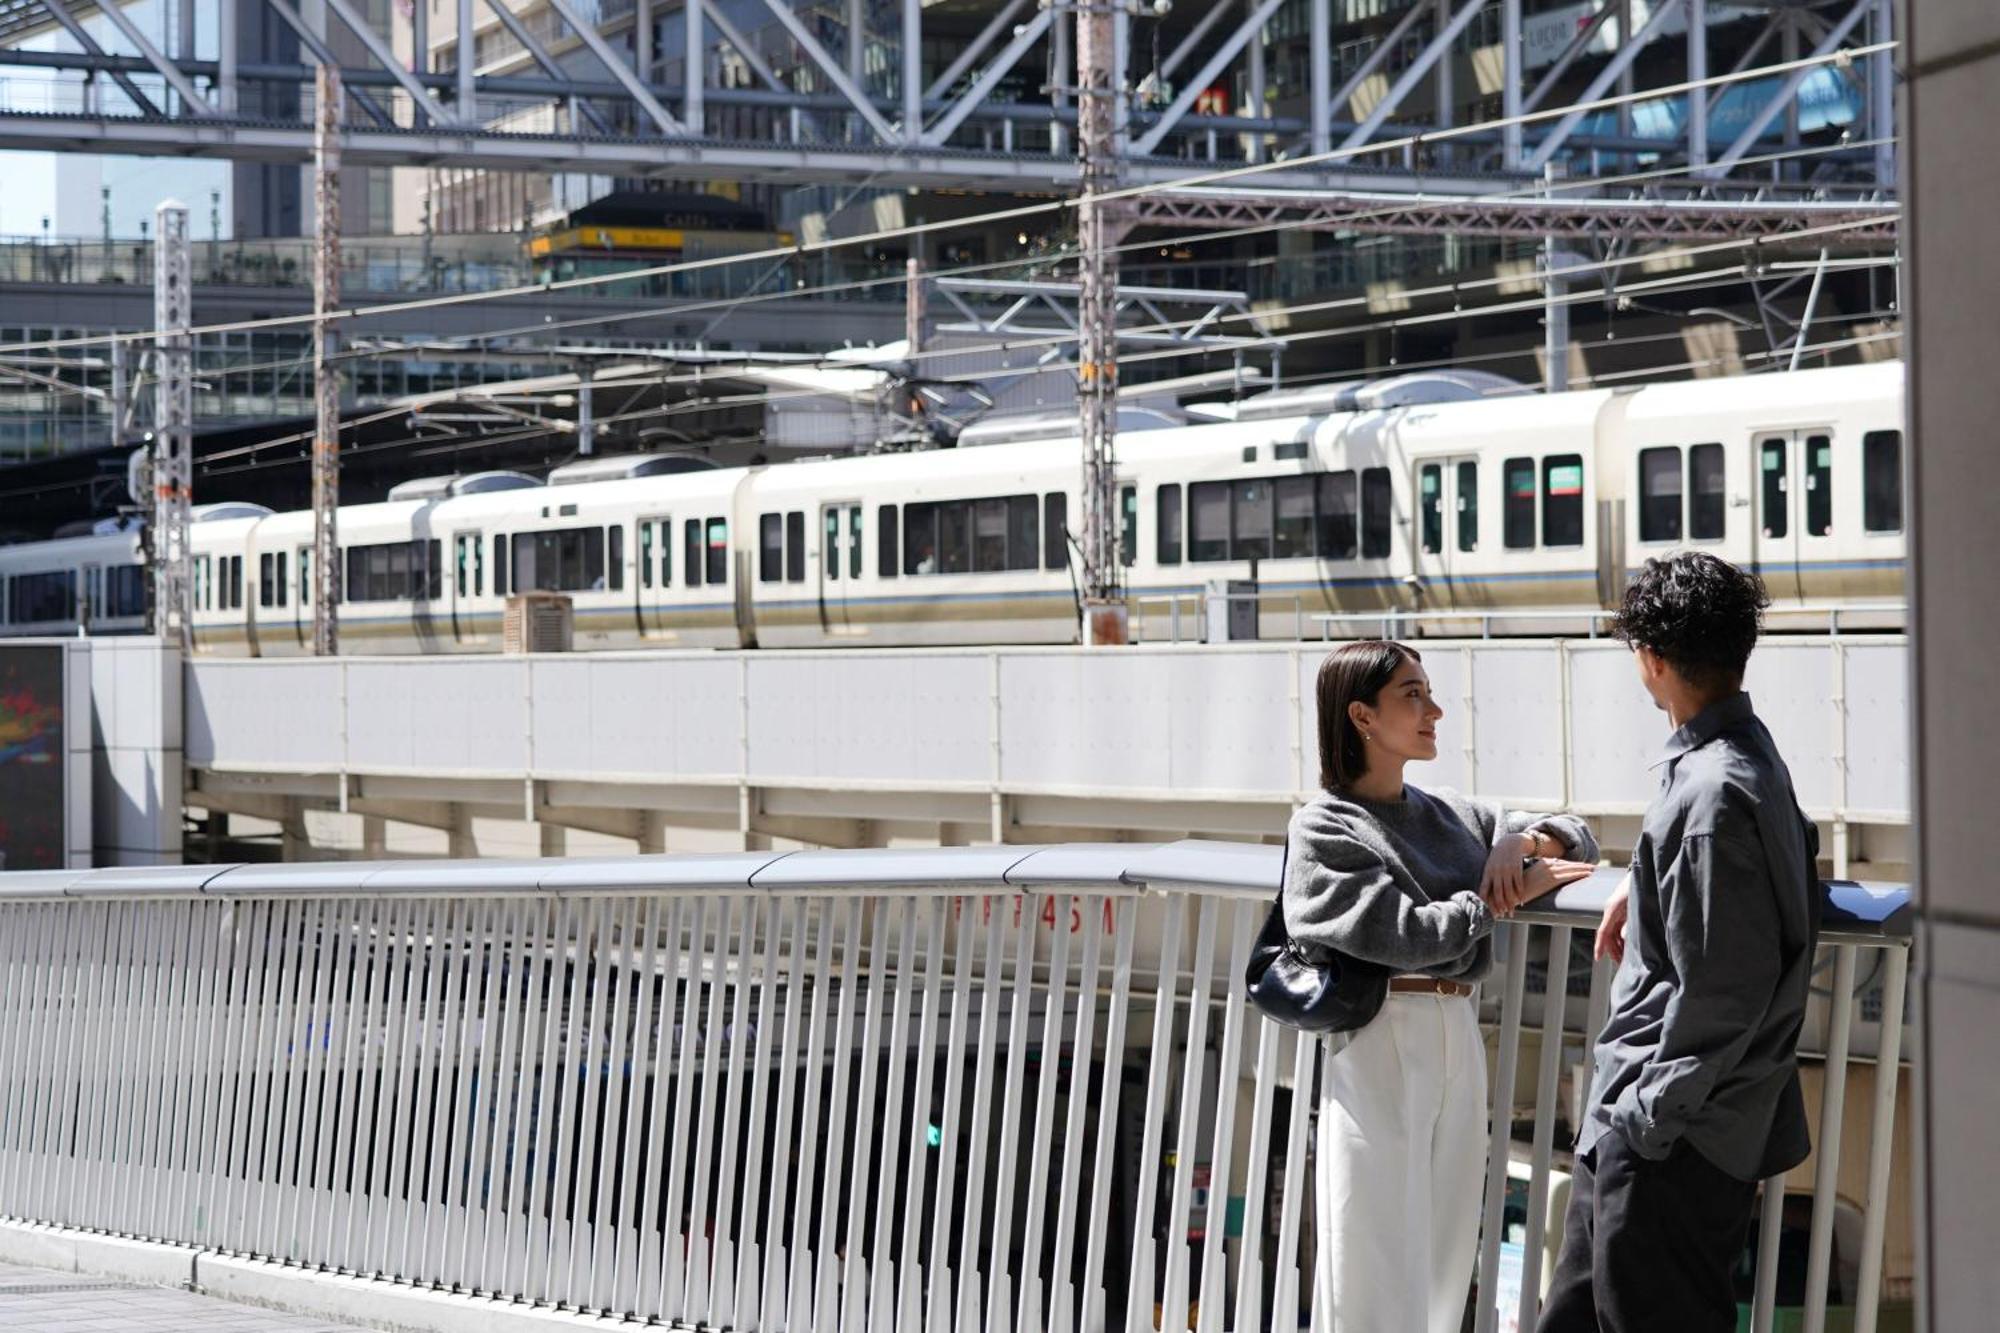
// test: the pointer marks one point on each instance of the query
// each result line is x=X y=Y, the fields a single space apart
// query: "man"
x=1695 y=1092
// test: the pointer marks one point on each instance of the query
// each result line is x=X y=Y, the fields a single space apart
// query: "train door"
x=1794 y=505
x=656 y=574
x=1447 y=492
x=468 y=585
x=839 y=562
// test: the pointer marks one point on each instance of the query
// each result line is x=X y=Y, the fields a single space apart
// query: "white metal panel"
x=1517 y=694
x=263 y=714
x=1229 y=720
x=1615 y=729
x=1073 y=719
x=464 y=721
x=668 y=716
x=1790 y=683
x=917 y=717
x=1877 y=720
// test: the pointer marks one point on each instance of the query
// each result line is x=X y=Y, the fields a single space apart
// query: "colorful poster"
x=33 y=784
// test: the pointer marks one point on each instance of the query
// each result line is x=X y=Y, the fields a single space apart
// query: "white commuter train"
x=1529 y=503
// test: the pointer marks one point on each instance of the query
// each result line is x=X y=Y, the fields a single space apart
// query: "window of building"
x=886 y=566
x=1167 y=524
x=1882 y=481
x=1517 y=504
x=1660 y=485
x=1430 y=507
x=1819 y=485
x=1377 y=512
x=1772 y=470
x=1055 y=530
x=1707 y=496
x=1468 y=505
x=1339 y=516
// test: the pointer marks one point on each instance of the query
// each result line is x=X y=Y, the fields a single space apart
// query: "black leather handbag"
x=1308 y=986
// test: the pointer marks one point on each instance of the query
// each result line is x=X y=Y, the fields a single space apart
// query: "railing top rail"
x=1857 y=912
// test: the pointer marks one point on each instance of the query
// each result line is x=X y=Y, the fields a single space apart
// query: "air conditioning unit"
x=538 y=622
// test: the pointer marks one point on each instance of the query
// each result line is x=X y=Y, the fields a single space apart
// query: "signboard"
x=34 y=757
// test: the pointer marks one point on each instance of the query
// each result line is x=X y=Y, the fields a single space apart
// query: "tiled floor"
x=35 y=1300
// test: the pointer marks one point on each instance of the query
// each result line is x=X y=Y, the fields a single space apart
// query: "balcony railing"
x=996 y=1087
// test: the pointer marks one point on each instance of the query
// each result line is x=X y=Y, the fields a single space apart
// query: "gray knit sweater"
x=1397 y=882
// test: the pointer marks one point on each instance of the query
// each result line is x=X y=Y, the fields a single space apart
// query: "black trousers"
x=1648 y=1247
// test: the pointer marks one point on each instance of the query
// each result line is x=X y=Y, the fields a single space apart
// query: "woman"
x=1413 y=880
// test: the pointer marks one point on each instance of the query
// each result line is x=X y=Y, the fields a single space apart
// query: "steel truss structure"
x=579 y=96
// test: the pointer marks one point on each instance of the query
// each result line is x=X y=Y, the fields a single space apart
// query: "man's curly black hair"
x=1700 y=613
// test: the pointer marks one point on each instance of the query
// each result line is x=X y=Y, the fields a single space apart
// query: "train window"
x=1167 y=524
x=1706 y=493
x=1517 y=504
x=1250 y=520
x=920 y=539
x=830 y=546
x=1773 y=481
x=666 y=526
x=1339 y=516
x=1468 y=506
x=1208 y=520
x=1128 y=525
x=503 y=570
x=886 y=563
x=854 y=541
x=795 y=546
x=1055 y=530
x=1882 y=481
x=614 y=560
x=267 y=584
x=954 y=540
x=125 y=590
x=646 y=537
x=1293 y=536
x=1430 y=506
x=770 y=548
x=1377 y=512
x=691 y=552
x=1660 y=486
x=38 y=599
x=559 y=560
x=199 y=595
x=718 y=550
x=1024 y=533
x=478 y=567
x=1819 y=485
x=989 y=536
x=1562 y=500
x=236 y=583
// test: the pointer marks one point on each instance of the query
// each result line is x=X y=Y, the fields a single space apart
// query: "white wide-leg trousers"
x=1402 y=1160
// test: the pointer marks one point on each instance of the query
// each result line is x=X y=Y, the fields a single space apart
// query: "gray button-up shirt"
x=1701 y=1043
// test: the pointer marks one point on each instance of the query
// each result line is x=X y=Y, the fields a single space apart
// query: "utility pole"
x=326 y=374
x=173 y=427
x=1098 y=228
x=913 y=308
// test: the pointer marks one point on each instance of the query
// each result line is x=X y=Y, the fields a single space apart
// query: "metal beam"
x=539 y=54
x=468 y=63
x=913 y=69
x=1510 y=83
x=385 y=55
x=167 y=69
x=324 y=58
x=60 y=8
x=1252 y=24
x=734 y=36
x=1195 y=37
x=1320 y=77
x=1439 y=46
x=968 y=57
x=694 y=67
x=225 y=36
x=801 y=34
x=1787 y=91
x=941 y=129
x=1621 y=60
x=1697 y=70
x=1577 y=46
x=1383 y=49
x=588 y=34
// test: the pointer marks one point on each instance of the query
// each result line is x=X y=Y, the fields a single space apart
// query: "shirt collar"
x=1705 y=726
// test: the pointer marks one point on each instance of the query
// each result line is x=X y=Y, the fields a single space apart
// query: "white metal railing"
x=849 y=1092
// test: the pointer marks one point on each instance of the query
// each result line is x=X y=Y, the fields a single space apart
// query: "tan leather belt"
x=1428 y=986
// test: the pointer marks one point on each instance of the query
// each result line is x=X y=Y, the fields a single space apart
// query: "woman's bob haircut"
x=1352 y=673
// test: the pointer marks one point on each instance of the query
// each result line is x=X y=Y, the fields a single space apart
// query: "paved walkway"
x=46 y=1301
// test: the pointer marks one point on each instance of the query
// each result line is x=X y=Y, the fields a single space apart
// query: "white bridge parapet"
x=995 y=1088
x=1217 y=738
